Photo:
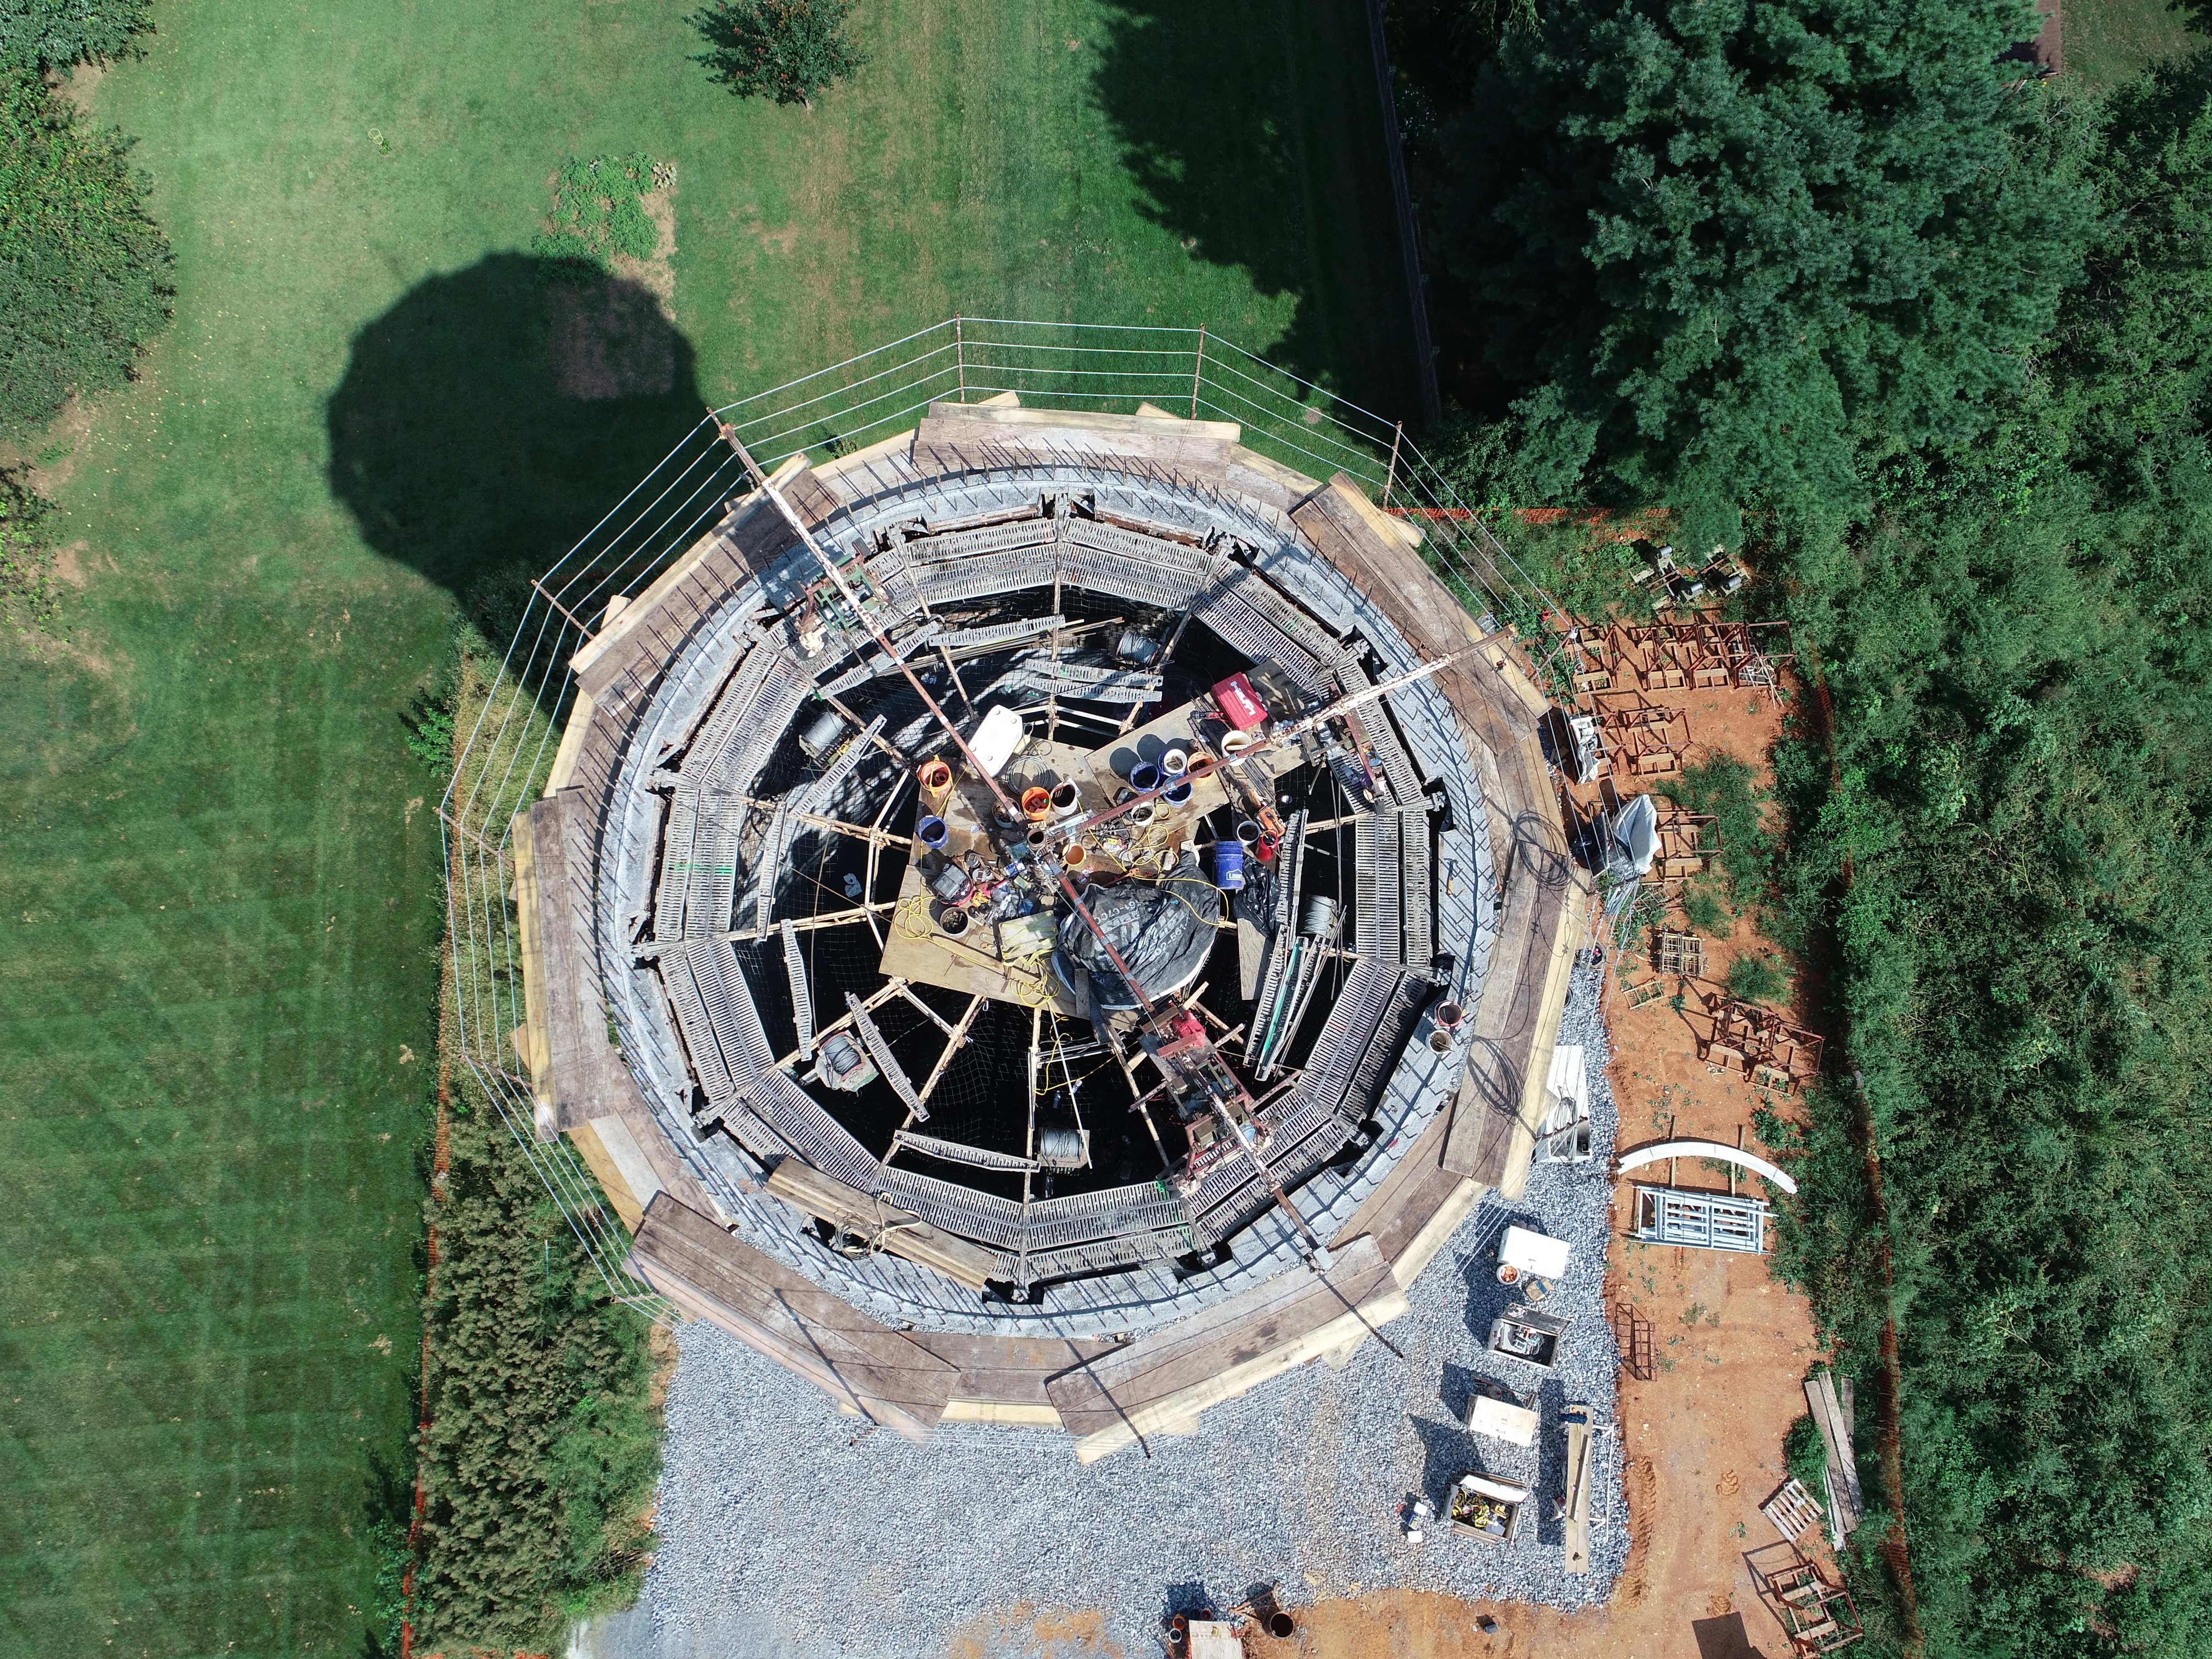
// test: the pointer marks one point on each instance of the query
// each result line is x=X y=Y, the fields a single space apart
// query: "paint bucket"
x=1067 y=799
x=1177 y=793
x=1440 y=1042
x=1037 y=838
x=1229 y=865
x=1076 y=856
x=1320 y=917
x=1144 y=777
x=1174 y=762
x=934 y=776
x=1449 y=1015
x=1508 y=1273
x=1141 y=813
x=1236 y=743
x=1247 y=833
x=931 y=832
x=953 y=920
x=1036 y=805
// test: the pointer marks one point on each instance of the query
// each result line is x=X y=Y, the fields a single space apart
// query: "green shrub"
x=1724 y=787
x=27 y=601
x=786 y=50
x=1757 y=978
x=598 y=211
x=52 y=34
x=84 y=272
x=1806 y=1456
x=1703 y=909
x=544 y=1446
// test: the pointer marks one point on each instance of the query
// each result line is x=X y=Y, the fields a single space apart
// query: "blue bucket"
x=1229 y=865
x=1144 y=777
x=1177 y=793
x=931 y=832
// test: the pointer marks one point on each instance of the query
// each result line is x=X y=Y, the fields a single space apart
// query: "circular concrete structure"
x=1044 y=1074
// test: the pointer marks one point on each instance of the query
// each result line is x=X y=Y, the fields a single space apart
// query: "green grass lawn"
x=2107 y=41
x=222 y=888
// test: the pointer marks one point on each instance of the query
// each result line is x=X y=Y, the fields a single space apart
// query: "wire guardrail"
x=505 y=755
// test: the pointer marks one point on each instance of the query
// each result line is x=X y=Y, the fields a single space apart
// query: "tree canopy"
x=84 y=270
x=786 y=50
x=53 y=34
x=1728 y=252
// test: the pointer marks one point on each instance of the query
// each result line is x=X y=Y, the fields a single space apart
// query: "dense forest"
x=1924 y=334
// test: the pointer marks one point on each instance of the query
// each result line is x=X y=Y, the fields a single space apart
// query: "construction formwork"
x=517 y=739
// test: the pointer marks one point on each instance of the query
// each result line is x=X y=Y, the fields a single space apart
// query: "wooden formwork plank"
x=1201 y=447
x=855 y=1359
x=1487 y=690
x=1162 y=1382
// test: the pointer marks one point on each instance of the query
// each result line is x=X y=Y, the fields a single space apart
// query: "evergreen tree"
x=1732 y=253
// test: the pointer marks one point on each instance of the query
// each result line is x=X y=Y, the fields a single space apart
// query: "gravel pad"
x=788 y=1530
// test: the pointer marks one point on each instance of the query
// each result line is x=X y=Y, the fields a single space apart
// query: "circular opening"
x=1076 y=855
x=936 y=777
x=1177 y=793
x=931 y=832
x=1037 y=802
x=1440 y=1042
x=1144 y=777
x=953 y=919
x=1280 y=1626
x=1247 y=832
x=1141 y=813
x=1449 y=1015
x=1174 y=762
x=1037 y=837
x=1236 y=743
x=1064 y=798
x=1508 y=1273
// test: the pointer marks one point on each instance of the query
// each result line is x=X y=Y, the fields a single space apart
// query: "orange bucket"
x=1036 y=805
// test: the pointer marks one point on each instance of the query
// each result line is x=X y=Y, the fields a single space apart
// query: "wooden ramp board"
x=858 y=1362
x=1575 y=1525
x=1160 y=1383
x=1845 y=1503
x=570 y=1057
x=967 y=434
x=1488 y=690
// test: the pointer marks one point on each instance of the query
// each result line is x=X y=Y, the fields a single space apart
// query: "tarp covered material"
x=1533 y=1253
x=1633 y=841
x=1162 y=931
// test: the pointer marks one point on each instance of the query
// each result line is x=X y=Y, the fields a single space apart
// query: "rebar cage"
x=507 y=749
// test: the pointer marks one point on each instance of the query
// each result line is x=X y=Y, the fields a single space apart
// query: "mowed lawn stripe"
x=221 y=909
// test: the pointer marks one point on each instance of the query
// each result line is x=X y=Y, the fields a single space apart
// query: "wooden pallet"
x=1792 y=1510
